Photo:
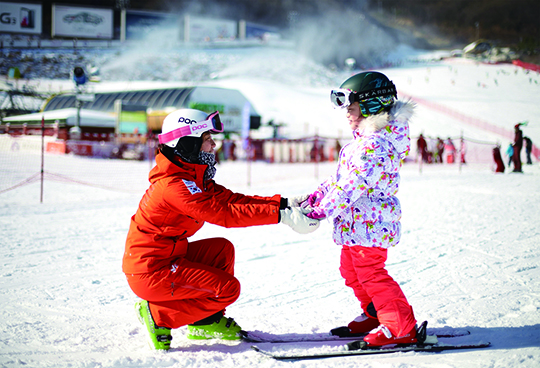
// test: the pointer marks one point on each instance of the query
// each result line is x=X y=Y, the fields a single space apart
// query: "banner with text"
x=20 y=18
x=70 y=21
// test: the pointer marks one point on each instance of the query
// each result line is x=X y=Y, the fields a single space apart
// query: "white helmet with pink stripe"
x=182 y=130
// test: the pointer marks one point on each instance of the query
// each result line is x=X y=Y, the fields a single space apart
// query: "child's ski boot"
x=382 y=336
x=363 y=324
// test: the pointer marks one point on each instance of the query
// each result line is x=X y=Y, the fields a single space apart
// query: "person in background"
x=498 y=159
x=528 y=149
x=450 y=151
x=440 y=150
x=463 y=150
x=518 y=145
x=360 y=202
x=510 y=153
x=183 y=282
x=421 y=146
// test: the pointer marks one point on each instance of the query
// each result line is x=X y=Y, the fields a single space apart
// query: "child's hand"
x=314 y=199
x=316 y=214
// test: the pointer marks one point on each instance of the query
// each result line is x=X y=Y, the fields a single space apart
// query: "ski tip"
x=263 y=352
x=253 y=347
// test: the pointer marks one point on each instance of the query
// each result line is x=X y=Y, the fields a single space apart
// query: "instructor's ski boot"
x=224 y=329
x=159 y=338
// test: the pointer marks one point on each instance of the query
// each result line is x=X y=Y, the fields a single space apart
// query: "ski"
x=426 y=343
x=428 y=348
x=339 y=334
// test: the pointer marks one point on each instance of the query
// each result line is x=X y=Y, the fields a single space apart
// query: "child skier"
x=360 y=201
x=185 y=282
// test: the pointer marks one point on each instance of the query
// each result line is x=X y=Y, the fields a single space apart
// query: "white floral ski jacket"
x=360 y=200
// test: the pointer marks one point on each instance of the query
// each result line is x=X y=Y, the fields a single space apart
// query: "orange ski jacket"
x=176 y=206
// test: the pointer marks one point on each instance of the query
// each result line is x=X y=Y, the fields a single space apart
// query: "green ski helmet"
x=372 y=90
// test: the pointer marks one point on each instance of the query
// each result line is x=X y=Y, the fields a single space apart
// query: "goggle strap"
x=377 y=92
x=188 y=129
x=173 y=134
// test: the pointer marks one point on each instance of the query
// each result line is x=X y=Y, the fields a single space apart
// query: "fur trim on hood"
x=392 y=126
x=401 y=111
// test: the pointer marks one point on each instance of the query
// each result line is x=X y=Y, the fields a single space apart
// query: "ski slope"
x=468 y=258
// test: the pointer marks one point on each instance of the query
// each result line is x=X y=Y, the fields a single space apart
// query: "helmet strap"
x=188 y=149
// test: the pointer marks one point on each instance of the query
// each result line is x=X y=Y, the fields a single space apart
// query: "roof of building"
x=87 y=117
x=156 y=99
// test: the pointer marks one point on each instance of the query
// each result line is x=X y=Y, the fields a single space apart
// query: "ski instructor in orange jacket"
x=183 y=282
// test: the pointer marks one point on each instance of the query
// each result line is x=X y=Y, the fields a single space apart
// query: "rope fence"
x=27 y=159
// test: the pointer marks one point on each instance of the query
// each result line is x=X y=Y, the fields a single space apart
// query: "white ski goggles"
x=211 y=124
x=341 y=98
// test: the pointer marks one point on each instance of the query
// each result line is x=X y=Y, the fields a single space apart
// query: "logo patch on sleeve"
x=192 y=187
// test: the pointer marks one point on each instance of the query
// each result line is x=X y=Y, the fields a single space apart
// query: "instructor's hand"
x=295 y=218
x=298 y=201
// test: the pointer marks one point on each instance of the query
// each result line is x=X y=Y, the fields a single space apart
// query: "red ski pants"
x=194 y=287
x=363 y=271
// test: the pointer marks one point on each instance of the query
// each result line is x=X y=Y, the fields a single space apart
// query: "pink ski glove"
x=316 y=214
x=315 y=198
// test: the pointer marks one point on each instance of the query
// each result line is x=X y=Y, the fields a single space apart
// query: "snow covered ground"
x=469 y=255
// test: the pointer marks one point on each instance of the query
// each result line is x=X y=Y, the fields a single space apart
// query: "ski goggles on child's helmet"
x=342 y=98
x=211 y=124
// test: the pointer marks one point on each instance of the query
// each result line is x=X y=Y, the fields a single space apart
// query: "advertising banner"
x=198 y=29
x=259 y=31
x=142 y=25
x=130 y=119
x=20 y=18
x=70 y=21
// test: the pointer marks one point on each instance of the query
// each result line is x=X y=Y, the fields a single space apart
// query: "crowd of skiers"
x=441 y=151
x=445 y=151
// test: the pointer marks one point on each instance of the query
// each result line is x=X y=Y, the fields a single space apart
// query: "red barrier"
x=527 y=66
x=479 y=123
x=56 y=147
x=80 y=149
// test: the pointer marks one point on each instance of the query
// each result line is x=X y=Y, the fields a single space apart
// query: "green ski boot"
x=224 y=329
x=159 y=337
